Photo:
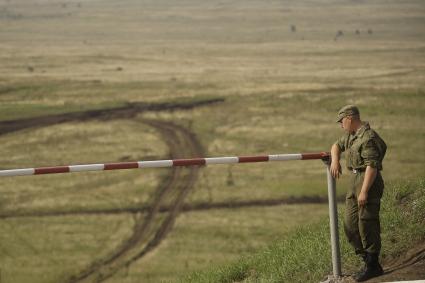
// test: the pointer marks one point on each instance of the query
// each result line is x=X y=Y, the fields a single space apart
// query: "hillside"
x=304 y=255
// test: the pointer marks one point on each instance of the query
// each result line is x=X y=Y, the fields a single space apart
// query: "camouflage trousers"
x=361 y=223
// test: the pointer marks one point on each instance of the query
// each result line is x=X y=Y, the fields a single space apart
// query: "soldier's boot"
x=364 y=258
x=373 y=268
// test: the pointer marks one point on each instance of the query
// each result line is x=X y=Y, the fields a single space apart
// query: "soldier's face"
x=346 y=124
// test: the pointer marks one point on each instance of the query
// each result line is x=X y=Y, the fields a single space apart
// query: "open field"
x=279 y=92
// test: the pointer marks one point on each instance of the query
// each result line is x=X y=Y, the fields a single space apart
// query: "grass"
x=224 y=133
x=79 y=143
x=281 y=91
x=231 y=232
x=32 y=251
x=32 y=98
x=294 y=258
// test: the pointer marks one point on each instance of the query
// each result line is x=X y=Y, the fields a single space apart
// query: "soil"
x=410 y=266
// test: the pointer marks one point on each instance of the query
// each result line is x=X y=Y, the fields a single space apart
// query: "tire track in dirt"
x=146 y=232
x=190 y=146
x=151 y=227
x=128 y=111
x=185 y=207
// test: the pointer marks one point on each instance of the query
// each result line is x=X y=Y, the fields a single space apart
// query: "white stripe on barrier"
x=284 y=157
x=162 y=163
x=155 y=163
x=17 y=172
x=87 y=167
x=221 y=160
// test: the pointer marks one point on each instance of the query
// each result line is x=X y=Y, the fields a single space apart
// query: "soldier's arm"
x=369 y=178
x=370 y=154
x=335 y=167
x=337 y=148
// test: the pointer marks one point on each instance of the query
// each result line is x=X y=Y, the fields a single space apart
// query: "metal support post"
x=333 y=218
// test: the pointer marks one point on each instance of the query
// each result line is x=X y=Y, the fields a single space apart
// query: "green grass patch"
x=221 y=236
x=49 y=249
x=304 y=255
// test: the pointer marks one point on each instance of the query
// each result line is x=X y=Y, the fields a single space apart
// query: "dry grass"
x=81 y=143
x=221 y=236
x=282 y=90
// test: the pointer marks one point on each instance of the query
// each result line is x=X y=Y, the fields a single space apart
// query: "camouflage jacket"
x=364 y=148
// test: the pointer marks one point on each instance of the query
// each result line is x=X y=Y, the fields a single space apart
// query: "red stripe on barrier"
x=122 y=165
x=244 y=159
x=162 y=163
x=308 y=156
x=187 y=162
x=49 y=170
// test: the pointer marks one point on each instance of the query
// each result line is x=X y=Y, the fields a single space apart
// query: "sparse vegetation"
x=295 y=258
x=279 y=91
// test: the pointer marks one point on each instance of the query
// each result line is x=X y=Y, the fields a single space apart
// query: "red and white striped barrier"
x=162 y=163
x=336 y=258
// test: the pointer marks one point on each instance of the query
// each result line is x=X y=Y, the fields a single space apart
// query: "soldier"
x=365 y=152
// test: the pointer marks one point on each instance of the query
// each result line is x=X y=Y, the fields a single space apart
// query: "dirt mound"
x=408 y=266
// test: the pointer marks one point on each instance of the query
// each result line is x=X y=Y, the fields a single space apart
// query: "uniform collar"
x=365 y=126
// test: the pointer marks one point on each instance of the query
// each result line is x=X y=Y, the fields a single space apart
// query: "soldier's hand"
x=335 y=169
x=362 y=198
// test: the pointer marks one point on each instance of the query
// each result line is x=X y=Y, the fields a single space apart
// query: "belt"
x=355 y=171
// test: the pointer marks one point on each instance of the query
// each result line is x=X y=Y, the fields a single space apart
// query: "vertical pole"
x=333 y=218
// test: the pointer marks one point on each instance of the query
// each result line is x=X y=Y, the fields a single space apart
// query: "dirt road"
x=149 y=229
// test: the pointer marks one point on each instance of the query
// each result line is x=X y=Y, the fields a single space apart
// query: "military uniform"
x=361 y=223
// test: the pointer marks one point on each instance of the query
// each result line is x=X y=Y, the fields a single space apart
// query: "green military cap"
x=347 y=111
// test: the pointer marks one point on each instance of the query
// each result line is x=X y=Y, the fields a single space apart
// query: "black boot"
x=364 y=258
x=373 y=268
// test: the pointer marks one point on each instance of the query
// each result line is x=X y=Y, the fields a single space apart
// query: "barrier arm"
x=324 y=156
x=162 y=163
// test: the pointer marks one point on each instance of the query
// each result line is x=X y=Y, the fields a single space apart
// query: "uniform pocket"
x=356 y=159
x=377 y=188
x=370 y=211
x=359 y=178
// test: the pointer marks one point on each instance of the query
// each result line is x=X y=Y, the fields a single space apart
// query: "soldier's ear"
x=350 y=117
